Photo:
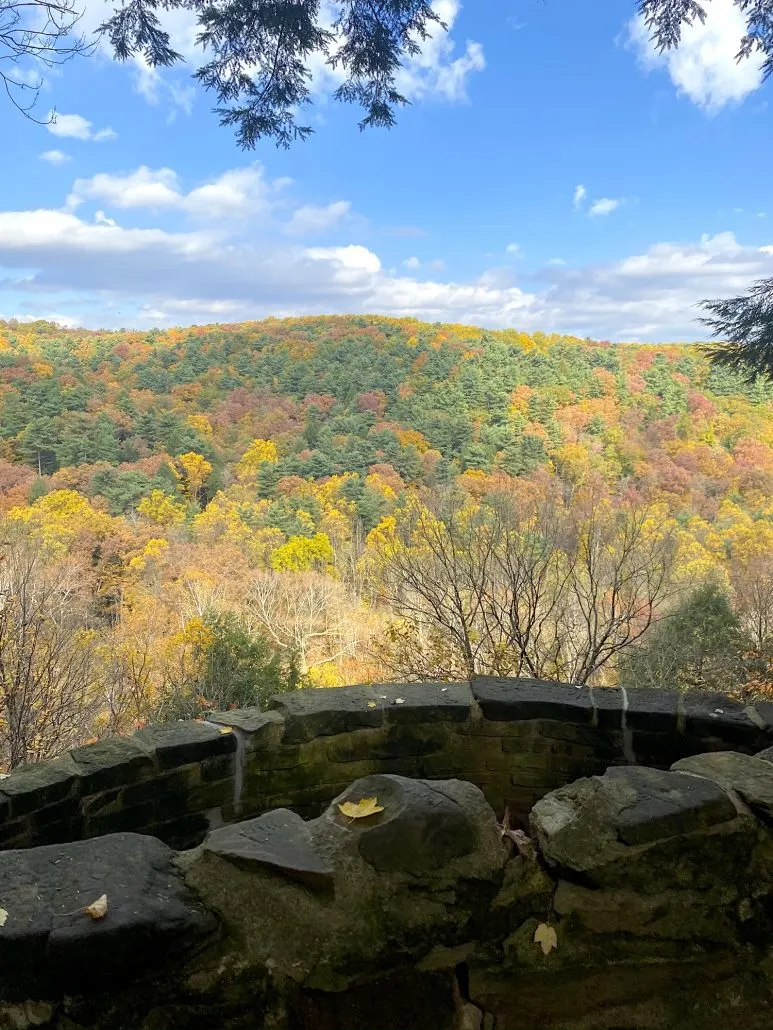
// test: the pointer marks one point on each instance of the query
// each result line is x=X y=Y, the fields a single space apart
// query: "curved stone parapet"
x=642 y=900
x=515 y=739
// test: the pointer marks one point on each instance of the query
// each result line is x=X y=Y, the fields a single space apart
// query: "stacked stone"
x=515 y=739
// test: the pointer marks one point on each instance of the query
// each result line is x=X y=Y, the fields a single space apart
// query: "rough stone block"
x=408 y=741
x=67 y=809
x=354 y=746
x=411 y=703
x=591 y=825
x=667 y=804
x=607 y=704
x=33 y=786
x=279 y=841
x=178 y=743
x=120 y=820
x=508 y=700
x=762 y=715
x=61 y=832
x=286 y=756
x=750 y=777
x=654 y=711
x=179 y=781
x=48 y=948
x=260 y=731
x=718 y=716
x=112 y=762
x=326 y=712
x=218 y=768
x=16 y=833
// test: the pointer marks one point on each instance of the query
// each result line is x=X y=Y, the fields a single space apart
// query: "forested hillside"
x=329 y=500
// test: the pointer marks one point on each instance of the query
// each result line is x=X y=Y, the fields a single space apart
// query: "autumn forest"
x=202 y=517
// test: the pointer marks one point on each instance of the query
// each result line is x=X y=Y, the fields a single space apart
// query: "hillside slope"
x=342 y=395
x=186 y=514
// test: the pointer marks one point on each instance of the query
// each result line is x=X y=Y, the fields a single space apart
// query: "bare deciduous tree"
x=514 y=587
x=47 y=688
x=307 y=613
x=35 y=35
x=752 y=582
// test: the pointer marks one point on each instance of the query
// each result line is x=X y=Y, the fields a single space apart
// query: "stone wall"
x=514 y=739
x=639 y=900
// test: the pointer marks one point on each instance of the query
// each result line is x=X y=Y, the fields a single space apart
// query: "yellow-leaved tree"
x=303 y=553
x=193 y=470
x=260 y=452
x=161 y=508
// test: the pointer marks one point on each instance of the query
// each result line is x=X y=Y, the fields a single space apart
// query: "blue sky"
x=551 y=173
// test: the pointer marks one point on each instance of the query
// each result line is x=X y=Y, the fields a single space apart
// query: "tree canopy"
x=259 y=55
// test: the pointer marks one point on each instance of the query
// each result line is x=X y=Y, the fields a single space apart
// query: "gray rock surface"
x=178 y=743
x=395 y=880
x=749 y=776
x=655 y=804
x=595 y=821
x=47 y=943
x=423 y=826
x=279 y=840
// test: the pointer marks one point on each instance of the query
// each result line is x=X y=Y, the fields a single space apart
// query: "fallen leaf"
x=399 y=700
x=546 y=937
x=97 y=909
x=371 y=704
x=360 y=809
x=226 y=729
x=3 y=916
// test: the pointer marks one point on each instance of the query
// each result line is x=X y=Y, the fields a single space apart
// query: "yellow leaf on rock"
x=371 y=704
x=546 y=937
x=360 y=809
x=3 y=916
x=97 y=909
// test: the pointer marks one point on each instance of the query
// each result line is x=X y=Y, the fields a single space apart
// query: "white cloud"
x=238 y=193
x=75 y=126
x=55 y=157
x=580 y=193
x=604 y=206
x=704 y=67
x=414 y=265
x=435 y=72
x=145 y=275
x=514 y=249
x=311 y=219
